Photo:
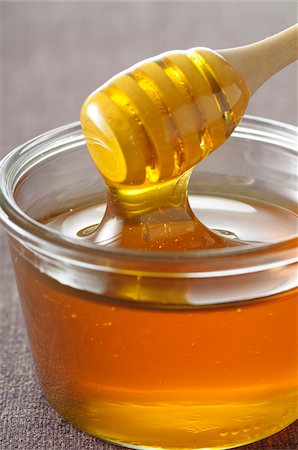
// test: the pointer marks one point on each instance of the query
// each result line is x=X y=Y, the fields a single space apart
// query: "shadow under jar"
x=185 y=350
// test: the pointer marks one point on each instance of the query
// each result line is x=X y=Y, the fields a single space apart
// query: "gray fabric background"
x=53 y=54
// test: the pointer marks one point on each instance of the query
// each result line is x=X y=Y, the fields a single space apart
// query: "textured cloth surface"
x=53 y=55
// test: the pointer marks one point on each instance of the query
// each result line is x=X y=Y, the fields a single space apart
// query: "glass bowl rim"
x=34 y=233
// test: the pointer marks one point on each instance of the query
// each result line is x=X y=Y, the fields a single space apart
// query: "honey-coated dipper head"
x=156 y=120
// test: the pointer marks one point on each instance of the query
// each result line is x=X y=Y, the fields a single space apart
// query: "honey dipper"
x=154 y=121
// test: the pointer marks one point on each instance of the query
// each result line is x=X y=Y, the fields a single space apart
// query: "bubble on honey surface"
x=87 y=231
x=226 y=233
x=223 y=433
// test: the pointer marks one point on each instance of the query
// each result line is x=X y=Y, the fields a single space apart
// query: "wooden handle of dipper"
x=259 y=61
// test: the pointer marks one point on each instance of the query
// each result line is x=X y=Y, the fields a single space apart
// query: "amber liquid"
x=145 y=129
x=188 y=378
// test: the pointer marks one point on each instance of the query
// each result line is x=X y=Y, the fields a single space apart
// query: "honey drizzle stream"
x=146 y=129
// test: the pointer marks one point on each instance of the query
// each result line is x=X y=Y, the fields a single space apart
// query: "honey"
x=146 y=129
x=151 y=377
x=143 y=367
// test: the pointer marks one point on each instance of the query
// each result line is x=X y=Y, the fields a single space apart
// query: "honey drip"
x=146 y=129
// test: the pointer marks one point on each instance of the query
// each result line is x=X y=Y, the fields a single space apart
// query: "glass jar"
x=159 y=350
